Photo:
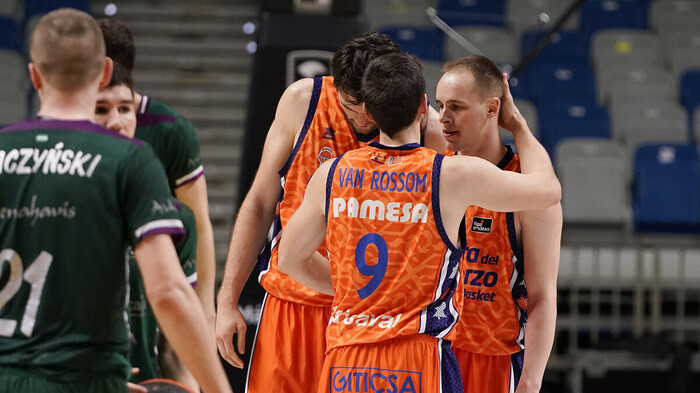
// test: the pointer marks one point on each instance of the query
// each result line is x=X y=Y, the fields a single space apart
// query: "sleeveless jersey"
x=74 y=196
x=144 y=327
x=494 y=298
x=394 y=270
x=325 y=134
x=173 y=139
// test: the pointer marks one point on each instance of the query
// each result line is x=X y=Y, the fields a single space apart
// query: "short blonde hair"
x=68 y=48
x=486 y=74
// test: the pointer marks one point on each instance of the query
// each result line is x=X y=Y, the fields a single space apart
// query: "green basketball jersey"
x=74 y=196
x=144 y=327
x=173 y=139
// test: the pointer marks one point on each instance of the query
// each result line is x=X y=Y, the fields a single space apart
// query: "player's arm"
x=302 y=236
x=255 y=217
x=194 y=195
x=541 y=239
x=179 y=312
x=432 y=131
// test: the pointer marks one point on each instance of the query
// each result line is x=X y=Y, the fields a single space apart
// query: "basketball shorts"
x=289 y=347
x=489 y=373
x=19 y=380
x=420 y=363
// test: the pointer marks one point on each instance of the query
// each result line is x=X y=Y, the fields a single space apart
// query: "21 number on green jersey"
x=34 y=275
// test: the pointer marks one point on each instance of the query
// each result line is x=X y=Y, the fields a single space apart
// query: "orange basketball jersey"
x=493 y=294
x=393 y=268
x=325 y=135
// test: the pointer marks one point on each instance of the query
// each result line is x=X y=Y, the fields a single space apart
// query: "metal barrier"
x=626 y=303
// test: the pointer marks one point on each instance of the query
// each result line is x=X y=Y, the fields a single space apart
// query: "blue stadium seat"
x=546 y=81
x=424 y=42
x=612 y=14
x=690 y=91
x=667 y=188
x=472 y=12
x=563 y=46
x=575 y=117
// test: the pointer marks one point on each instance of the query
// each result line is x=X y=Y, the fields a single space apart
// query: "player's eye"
x=124 y=109
x=101 y=110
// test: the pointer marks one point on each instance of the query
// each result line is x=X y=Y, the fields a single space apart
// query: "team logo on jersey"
x=481 y=225
x=522 y=302
x=374 y=380
x=325 y=154
x=329 y=134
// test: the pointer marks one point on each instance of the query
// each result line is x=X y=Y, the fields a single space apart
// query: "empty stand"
x=524 y=15
x=611 y=14
x=624 y=46
x=638 y=122
x=391 y=13
x=424 y=42
x=594 y=175
x=471 y=12
x=563 y=46
x=666 y=188
x=560 y=119
x=497 y=43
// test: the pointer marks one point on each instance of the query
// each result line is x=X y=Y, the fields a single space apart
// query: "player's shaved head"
x=488 y=76
x=68 y=49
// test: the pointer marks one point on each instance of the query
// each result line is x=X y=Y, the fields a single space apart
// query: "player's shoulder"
x=300 y=92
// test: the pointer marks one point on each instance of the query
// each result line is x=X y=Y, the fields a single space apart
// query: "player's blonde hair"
x=68 y=49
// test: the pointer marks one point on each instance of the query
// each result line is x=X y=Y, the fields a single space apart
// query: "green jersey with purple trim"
x=173 y=138
x=73 y=196
x=144 y=327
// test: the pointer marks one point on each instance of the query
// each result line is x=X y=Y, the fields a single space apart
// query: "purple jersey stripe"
x=177 y=233
x=70 y=125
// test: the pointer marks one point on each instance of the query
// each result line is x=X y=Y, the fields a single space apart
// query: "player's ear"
x=494 y=104
x=35 y=76
x=106 y=72
x=423 y=107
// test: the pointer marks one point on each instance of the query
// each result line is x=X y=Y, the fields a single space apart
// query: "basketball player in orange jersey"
x=316 y=120
x=504 y=251
x=390 y=214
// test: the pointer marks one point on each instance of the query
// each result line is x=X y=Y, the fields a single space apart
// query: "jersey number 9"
x=376 y=271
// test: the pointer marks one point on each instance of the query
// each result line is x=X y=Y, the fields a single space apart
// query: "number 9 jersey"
x=393 y=267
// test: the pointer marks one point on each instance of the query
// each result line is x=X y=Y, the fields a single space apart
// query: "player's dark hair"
x=392 y=88
x=120 y=76
x=486 y=73
x=351 y=59
x=119 y=42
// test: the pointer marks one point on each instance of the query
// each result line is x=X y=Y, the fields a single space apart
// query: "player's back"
x=393 y=267
x=74 y=194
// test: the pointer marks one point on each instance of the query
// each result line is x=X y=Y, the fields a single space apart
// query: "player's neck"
x=410 y=134
x=79 y=105
x=490 y=148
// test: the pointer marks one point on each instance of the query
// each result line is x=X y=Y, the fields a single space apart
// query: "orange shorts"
x=289 y=347
x=489 y=373
x=420 y=363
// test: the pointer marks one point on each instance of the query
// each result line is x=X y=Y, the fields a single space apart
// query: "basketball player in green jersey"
x=74 y=196
x=115 y=110
x=175 y=142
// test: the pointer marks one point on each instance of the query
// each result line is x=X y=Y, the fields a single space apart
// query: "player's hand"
x=134 y=388
x=510 y=118
x=228 y=323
